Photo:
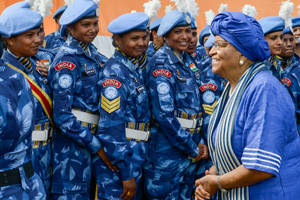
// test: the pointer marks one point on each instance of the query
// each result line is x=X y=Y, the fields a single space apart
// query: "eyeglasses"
x=219 y=44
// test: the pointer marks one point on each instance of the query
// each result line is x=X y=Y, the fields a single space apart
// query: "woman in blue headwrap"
x=252 y=136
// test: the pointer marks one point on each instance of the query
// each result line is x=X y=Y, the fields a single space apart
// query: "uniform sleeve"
x=295 y=93
x=162 y=89
x=63 y=78
x=112 y=109
x=265 y=123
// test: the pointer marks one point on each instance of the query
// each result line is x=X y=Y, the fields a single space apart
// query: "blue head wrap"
x=59 y=11
x=155 y=24
x=243 y=32
x=78 y=10
x=271 y=24
x=296 y=21
x=13 y=21
x=209 y=42
x=128 y=22
x=172 y=19
x=204 y=32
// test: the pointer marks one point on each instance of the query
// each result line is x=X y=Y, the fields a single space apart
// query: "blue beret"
x=155 y=24
x=296 y=21
x=21 y=4
x=210 y=41
x=172 y=19
x=193 y=23
x=243 y=32
x=79 y=9
x=204 y=32
x=59 y=11
x=13 y=21
x=128 y=22
x=288 y=30
x=271 y=24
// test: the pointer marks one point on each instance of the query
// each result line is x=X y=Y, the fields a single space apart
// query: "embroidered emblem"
x=163 y=72
x=65 y=81
x=64 y=64
x=286 y=81
x=110 y=92
x=208 y=86
x=110 y=106
x=208 y=109
x=208 y=97
x=163 y=88
x=112 y=82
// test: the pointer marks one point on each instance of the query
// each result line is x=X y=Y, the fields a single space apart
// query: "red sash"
x=39 y=93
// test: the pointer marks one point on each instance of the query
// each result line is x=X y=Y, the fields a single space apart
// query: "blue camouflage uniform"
x=124 y=104
x=73 y=79
x=174 y=92
x=41 y=149
x=54 y=41
x=151 y=50
x=27 y=65
x=17 y=122
x=124 y=114
x=290 y=78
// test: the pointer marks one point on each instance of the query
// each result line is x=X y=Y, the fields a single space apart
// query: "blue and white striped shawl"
x=222 y=121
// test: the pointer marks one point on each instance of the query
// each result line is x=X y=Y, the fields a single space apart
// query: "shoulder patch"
x=64 y=64
x=208 y=86
x=163 y=72
x=112 y=82
x=286 y=81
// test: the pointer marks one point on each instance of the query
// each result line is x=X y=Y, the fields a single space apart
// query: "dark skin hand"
x=202 y=153
x=129 y=189
x=101 y=153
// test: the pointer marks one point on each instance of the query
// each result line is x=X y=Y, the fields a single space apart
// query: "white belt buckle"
x=39 y=136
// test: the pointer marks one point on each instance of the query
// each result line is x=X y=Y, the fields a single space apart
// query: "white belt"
x=86 y=117
x=187 y=123
x=137 y=134
x=39 y=136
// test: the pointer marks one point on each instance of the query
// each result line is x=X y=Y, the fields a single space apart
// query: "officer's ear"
x=116 y=40
x=10 y=42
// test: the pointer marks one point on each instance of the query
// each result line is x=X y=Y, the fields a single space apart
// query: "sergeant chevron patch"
x=110 y=106
x=208 y=109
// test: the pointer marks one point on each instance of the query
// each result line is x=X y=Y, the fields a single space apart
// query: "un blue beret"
x=59 y=11
x=243 y=32
x=193 y=23
x=172 y=19
x=128 y=22
x=13 y=21
x=296 y=21
x=79 y=9
x=204 y=32
x=288 y=30
x=155 y=24
x=209 y=42
x=21 y=4
x=271 y=24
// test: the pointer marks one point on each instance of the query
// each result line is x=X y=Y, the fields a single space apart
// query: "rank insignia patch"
x=110 y=106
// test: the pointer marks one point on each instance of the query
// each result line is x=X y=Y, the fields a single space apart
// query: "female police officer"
x=176 y=108
x=124 y=110
x=17 y=178
x=73 y=79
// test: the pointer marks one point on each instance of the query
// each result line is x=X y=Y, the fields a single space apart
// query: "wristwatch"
x=220 y=186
